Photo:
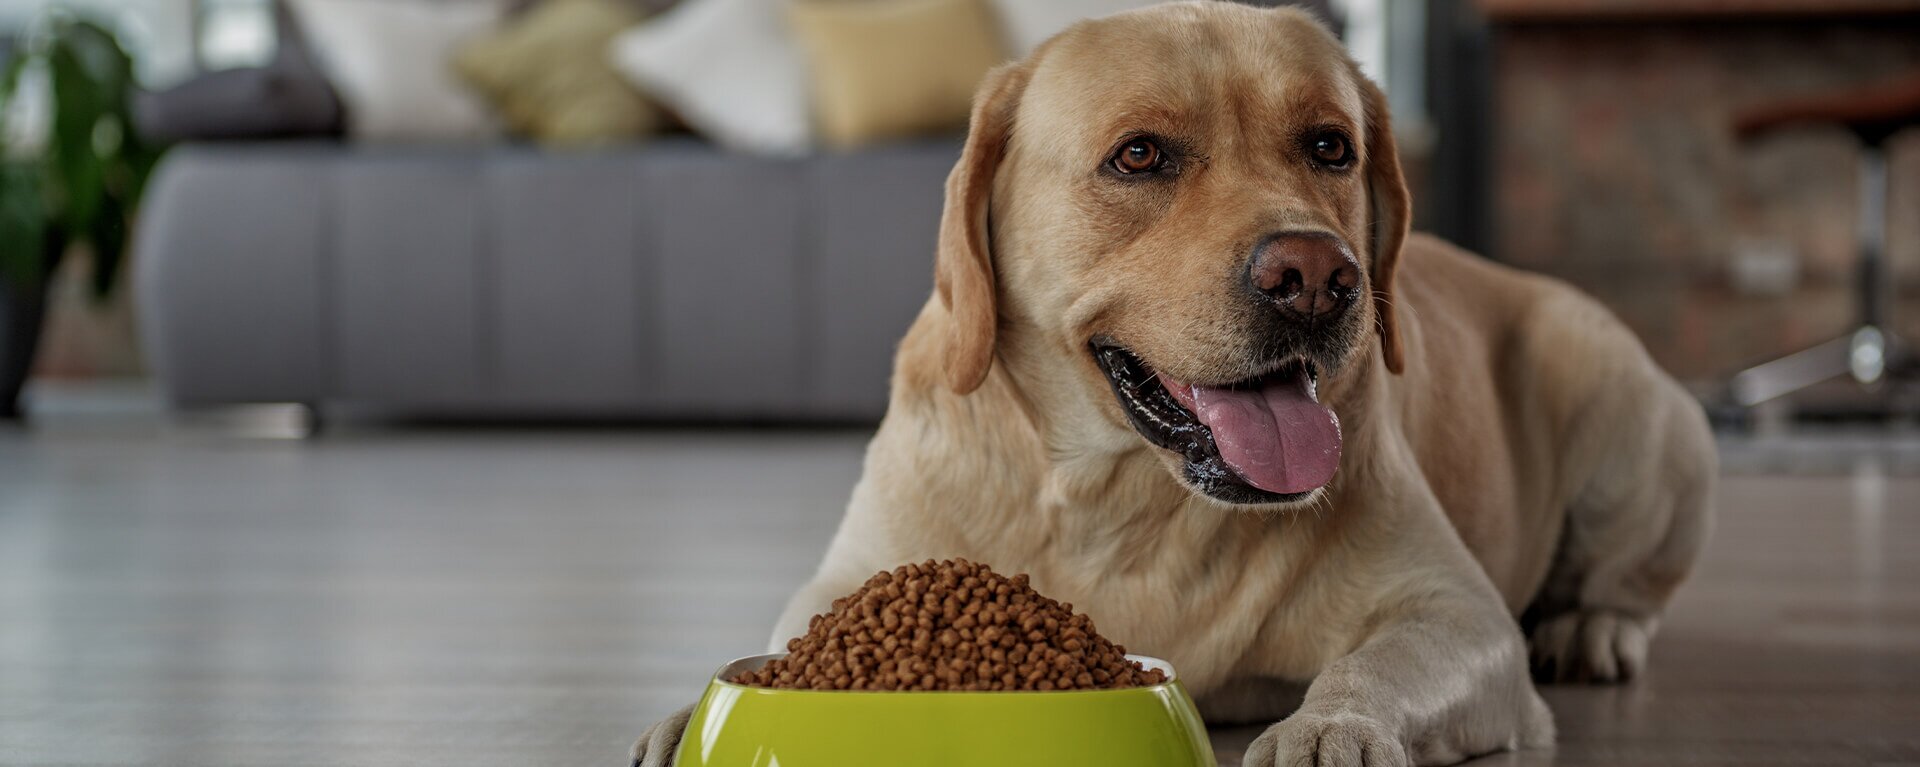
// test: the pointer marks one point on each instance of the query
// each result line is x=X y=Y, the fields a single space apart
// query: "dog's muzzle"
x=1263 y=440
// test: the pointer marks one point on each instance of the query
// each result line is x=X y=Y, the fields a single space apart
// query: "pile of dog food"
x=950 y=625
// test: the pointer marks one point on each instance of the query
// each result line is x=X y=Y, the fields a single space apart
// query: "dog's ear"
x=963 y=269
x=1390 y=210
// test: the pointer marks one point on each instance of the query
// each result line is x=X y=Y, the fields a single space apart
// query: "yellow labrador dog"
x=1185 y=366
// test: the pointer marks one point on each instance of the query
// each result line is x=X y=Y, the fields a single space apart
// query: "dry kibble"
x=950 y=625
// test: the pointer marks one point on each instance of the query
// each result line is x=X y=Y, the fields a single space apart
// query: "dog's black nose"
x=1309 y=275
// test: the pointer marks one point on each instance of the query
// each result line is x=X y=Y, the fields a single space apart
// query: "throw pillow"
x=643 y=7
x=1028 y=23
x=239 y=104
x=890 y=68
x=727 y=69
x=548 y=75
x=388 y=59
x=287 y=98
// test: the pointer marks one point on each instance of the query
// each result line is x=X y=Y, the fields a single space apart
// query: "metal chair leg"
x=1793 y=372
x=1869 y=353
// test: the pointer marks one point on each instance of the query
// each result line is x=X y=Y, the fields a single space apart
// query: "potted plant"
x=71 y=171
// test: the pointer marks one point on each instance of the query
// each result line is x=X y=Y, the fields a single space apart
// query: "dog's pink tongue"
x=1277 y=438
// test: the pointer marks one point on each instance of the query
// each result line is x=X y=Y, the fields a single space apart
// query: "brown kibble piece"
x=950 y=625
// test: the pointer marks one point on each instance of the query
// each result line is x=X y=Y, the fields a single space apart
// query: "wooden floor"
x=533 y=598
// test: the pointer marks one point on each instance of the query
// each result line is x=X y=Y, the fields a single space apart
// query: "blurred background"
x=378 y=377
x=501 y=208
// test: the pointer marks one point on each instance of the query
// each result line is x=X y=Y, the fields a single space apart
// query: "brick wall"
x=1615 y=168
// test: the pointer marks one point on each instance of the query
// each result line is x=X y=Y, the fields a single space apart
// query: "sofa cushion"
x=388 y=58
x=287 y=98
x=643 y=7
x=895 y=68
x=728 y=69
x=1028 y=23
x=548 y=74
x=252 y=103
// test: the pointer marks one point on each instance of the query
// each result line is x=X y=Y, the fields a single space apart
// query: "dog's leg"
x=658 y=743
x=1442 y=678
x=1631 y=535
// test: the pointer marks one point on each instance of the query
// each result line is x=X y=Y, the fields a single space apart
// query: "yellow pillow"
x=889 y=68
x=547 y=74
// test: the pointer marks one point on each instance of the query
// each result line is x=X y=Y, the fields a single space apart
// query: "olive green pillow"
x=547 y=74
x=889 y=68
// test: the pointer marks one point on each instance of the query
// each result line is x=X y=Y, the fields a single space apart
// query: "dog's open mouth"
x=1266 y=439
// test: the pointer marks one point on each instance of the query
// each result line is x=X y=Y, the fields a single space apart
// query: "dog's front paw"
x=657 y=745
x=1590 y=646
x=1337 y=740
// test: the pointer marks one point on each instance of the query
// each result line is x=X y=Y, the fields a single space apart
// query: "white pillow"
x=728 y=68
x=1028 y=23
x=388 y=59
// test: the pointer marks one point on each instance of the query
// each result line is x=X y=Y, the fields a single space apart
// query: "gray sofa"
x=668 y=281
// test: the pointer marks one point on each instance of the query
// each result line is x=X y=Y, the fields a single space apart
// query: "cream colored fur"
x=1529 y=456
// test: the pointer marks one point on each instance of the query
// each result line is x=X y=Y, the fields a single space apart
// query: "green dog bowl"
x=740 y=726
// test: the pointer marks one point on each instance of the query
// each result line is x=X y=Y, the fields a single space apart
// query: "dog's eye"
x=1139 y=156
x=1331 y=150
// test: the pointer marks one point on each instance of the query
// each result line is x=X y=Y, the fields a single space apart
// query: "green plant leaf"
x=78 y=106
x=95 y=168
x=109 y=241
x=10 y=80
x=23 y=222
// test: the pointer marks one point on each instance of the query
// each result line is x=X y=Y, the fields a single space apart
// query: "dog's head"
x=1200 y=204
